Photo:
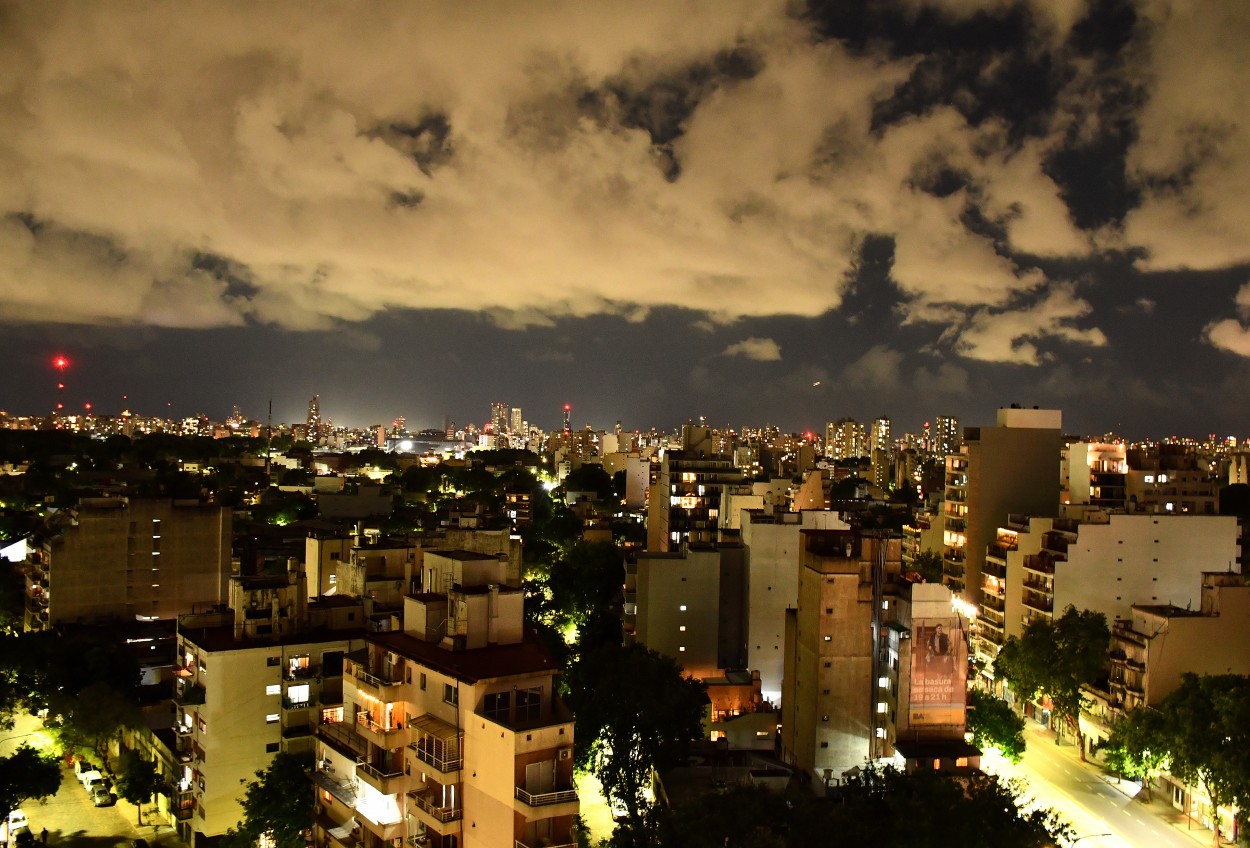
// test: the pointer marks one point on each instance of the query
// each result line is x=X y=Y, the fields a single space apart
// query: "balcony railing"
x=542 y=799
x=383 y=781
x=442 y=814
x=344 y=736
x=446 y=761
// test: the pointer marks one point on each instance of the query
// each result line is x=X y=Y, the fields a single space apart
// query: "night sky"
x=756 y=212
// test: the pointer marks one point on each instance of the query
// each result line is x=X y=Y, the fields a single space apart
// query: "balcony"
x=384 y=832
x=305 y=673
x=382 y=688
x=386 y=780
x=184 y=805
x=432 y=814
x=189 y=695
x=343 y=790
x=379 y=734
x=992 y=602
x=436 y=743
x=994 y=568
x=520 y=844
x=342 y=736
x=546 y=799
x=1042 y=605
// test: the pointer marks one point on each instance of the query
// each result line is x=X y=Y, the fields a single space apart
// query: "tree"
x=879 y=806
x=99 y=713
x=993 y=723
x=1206 y=728
x=138 y=781
x=28 y=773
x=928 y=563
x=1056 y=659
x=636 y=711
x=277 y=803
x=1138 y=746
x=587 y=579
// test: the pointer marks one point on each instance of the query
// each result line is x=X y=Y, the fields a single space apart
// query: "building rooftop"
x=475 y=664
x=463 y=556
x=222 y=638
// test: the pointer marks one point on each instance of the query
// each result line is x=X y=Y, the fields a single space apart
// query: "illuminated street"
x=1103 y=814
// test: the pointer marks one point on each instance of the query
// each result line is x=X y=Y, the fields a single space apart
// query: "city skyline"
x=749 y=212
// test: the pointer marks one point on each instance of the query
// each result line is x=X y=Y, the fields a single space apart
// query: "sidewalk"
x=1159 y=804
x=156 y=828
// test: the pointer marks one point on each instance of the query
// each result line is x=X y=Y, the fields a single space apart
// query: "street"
x=70 y=817
x=1103 y=813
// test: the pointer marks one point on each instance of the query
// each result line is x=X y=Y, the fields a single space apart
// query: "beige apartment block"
x=691 y=605
x=1157 y=643
x=253 y=681
x=1010 y=468
x=1107 y=563
x=451 y=733
x=117 y=559
x=833 y=657
x=773 y=546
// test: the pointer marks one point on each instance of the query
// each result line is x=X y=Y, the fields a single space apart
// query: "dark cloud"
x=906 y=201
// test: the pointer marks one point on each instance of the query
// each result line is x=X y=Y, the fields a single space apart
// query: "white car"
x=88 y=776
x=17 y=823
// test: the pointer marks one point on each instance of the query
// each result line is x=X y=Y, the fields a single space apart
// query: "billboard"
x=939 y=671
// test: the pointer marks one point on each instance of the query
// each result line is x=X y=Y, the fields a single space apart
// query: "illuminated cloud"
x=761 y=350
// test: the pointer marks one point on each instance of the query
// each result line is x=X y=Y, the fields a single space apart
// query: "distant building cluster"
x=838 y=593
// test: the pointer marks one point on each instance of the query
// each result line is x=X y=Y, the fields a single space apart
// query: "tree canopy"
x=278 y=802
x=880 y=806
x=993 y=723
x=138 y=780
x=28 y=773
x=1200 y=733
x=636 y=711
x=1055 y=658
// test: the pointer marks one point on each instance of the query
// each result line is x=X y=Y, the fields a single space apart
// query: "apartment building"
x=1157 y=643
x=773 y=545
x=1010 y=468
x=684 y=502
x=834 y=652
x=1106 y=562
x=451 y=734
x=122 y=559
x=691 y=605
x=253 y=680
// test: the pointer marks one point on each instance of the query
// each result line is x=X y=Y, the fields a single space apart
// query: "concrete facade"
x=115 y=559
x=1010 y=468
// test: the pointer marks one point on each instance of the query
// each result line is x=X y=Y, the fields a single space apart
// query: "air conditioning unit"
x=318 y=809
x=566 y=753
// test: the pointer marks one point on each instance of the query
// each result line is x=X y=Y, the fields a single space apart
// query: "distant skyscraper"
x=845 y=438
x=568 y=412
x=314 y=419
x=880 y=438
x=499 y=418
x=946 y=438
x=517 y=423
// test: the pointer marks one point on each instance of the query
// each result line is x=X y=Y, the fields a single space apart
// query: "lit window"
x=682 y=608
x=1148 y=478
x=881 y=707
x=682 y=629
x=682 y=648
x=880 y=732
x=883 y=682
x=828 y=638
x=297 y=694
x=273 y=689
x=272 y=718
x=1163 y=478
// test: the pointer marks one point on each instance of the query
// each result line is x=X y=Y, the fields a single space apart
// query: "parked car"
x=102 y=797
x=97 y=783
x=82 y=766
x=17 y=822
x=87 y=776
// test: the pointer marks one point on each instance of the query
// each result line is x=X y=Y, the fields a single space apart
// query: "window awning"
x=436 y=727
